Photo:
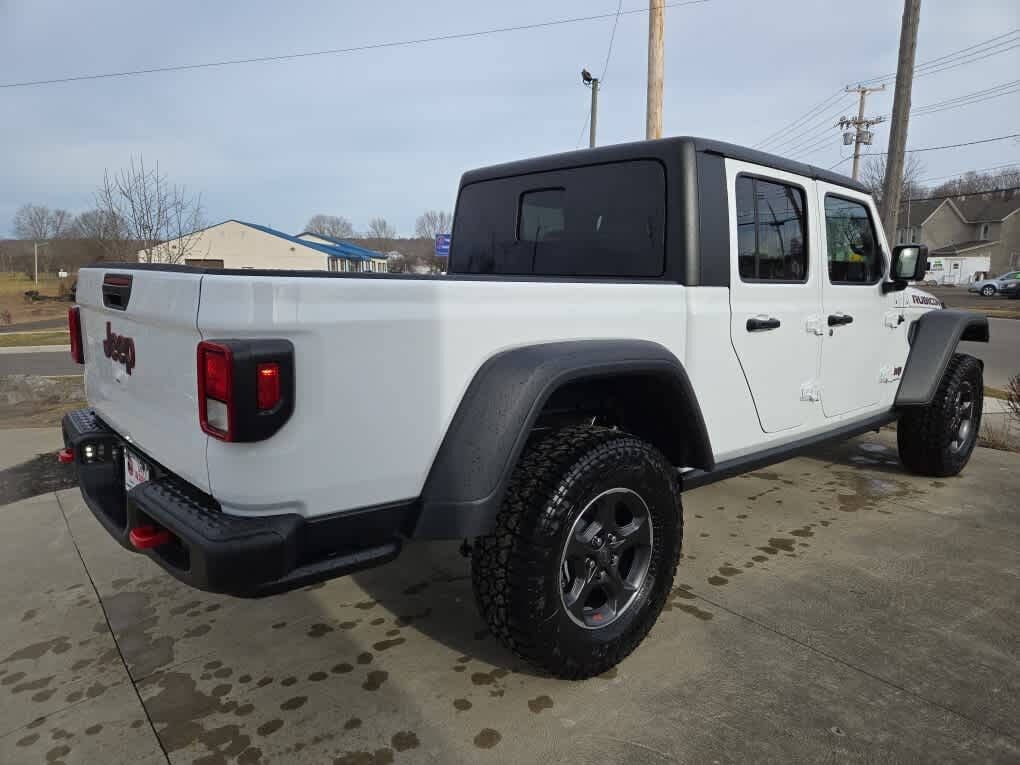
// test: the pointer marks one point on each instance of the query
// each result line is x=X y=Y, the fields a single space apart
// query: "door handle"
x=762 y=324
x=839 y=319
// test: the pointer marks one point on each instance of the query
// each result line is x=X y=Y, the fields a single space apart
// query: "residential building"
x=238 y=244
x=968 y=237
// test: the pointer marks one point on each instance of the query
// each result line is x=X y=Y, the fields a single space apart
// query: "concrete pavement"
x=829 y=608
x=38 y=363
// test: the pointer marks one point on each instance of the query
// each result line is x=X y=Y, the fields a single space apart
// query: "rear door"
x=775 y=291
x=141 y=337
x=860 y=319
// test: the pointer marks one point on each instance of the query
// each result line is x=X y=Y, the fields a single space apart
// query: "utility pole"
x=656 y=25
x=861 y=134
x=36 y=249
x=893 y=184
x=593 y=83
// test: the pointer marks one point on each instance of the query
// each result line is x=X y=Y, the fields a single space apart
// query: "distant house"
x=355 y=258
x=968 y=237
x=238 y=244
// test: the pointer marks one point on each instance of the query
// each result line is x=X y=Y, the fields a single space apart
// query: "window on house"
x=853 y=251
x=771 y=239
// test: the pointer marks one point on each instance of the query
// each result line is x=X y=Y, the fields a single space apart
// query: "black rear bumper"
x=214 y=551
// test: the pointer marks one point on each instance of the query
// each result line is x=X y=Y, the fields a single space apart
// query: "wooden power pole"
x=656 y=24
x=861 y=133
x=893 y=183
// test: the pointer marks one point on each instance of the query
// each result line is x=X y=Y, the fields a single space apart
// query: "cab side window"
x=853 y=250
x=771 y=231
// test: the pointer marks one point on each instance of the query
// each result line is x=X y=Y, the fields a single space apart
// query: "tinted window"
x=608 y=220
x=771 y=243
x=854 y=254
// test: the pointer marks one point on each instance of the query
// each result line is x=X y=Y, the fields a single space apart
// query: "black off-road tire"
x=516 y=571
x=929 y=438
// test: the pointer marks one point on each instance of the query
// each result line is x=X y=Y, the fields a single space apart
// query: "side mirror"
x=909 y=264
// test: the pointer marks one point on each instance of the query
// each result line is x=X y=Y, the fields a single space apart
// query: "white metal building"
x=237 y=244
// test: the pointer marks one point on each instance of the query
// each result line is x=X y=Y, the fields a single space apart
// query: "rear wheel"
x=937 y=440
x=988 y=290
x=584 y=552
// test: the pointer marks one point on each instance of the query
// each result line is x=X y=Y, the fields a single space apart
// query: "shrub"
x=5 y=317
x=1013 y=396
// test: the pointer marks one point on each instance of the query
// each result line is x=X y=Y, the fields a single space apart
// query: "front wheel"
x=584 y=552
x=938 y=439
x=988 y=290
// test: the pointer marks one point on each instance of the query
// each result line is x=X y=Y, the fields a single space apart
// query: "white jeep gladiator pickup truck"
x=617 y=326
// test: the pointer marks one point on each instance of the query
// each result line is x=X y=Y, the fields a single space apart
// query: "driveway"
x=830 y=608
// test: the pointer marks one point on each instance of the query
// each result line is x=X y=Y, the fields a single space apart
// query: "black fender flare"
x=465 y=486
x=934 y=337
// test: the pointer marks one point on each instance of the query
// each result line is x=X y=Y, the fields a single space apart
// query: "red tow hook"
x=65 y=456
x=146 y=537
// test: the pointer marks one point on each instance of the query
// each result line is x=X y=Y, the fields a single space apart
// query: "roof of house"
x=979 y=209
x=919 y=210
x=960 y=247
x=351 y=250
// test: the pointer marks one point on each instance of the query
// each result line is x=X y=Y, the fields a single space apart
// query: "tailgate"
x=140 y=362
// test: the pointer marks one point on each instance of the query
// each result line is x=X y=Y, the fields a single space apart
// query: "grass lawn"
x=12 y=298
x=45 y=337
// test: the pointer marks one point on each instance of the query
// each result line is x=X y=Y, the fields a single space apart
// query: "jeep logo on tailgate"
x=119 y=348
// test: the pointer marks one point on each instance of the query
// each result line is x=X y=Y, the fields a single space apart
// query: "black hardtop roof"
x=656 y=149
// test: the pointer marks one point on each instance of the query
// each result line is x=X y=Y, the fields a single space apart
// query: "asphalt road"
x=958 y=297
x=47 y=363
x=1001 y=353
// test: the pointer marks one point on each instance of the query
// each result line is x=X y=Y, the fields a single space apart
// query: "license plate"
x=136 y=471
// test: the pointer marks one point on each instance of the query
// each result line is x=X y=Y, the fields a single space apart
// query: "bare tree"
x=332 y=226
x=979 y=183
x=161 y=217
x=378 y=228
x=873 y=176
x=61 y=222
x=431 y=223
x=34 y=222
x=105 y=232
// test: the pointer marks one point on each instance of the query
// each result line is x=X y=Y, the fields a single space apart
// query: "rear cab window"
x=771 y=230
x=601 y=221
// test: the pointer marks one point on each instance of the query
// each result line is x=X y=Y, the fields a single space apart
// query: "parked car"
x=989 y=287
x=617 y=326
x=1012 y=290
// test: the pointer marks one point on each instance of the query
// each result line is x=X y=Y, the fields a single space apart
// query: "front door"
x=857 y=314
x=775 y=292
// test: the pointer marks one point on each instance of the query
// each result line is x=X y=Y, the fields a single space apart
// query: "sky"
x=388 y=132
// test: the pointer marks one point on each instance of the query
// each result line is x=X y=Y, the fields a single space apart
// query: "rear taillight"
x=267 y=386
x=74 y=330
x=216 y=390
x=245 y=388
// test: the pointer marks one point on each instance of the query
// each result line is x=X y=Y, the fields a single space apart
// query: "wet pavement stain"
x=803 y=532
x=377 y=621
x=132 y=618
x=35 y=651
x=487 y=738
x=342 y=669
x=488 y=678
x=39 y=475
x=33 y=685
x=695 y=611
x=365 y=605
x=349 y=625
x=383 y=645
x=28 y=740
x=93 y=729
x=539 y=703
x=404 y=740
x=288 y=681
x=317 y=677
x=375 y=680
x=729 y=570
x=269 y=727
x=461 y=705
x=717 y=581
x=364 y=658
x=318 y=630
x=198 y=631
x=29 y=615
x=353 y=724
x=294 y=703
x=58 y=753
x=382 y=756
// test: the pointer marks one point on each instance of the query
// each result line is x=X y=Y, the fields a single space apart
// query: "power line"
x=605 y=67
x=953 y=56
x=972 y=53
x=338 y=51
x=973 y=98
x=936 y=148
x=966 y=172
x=964 y=194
